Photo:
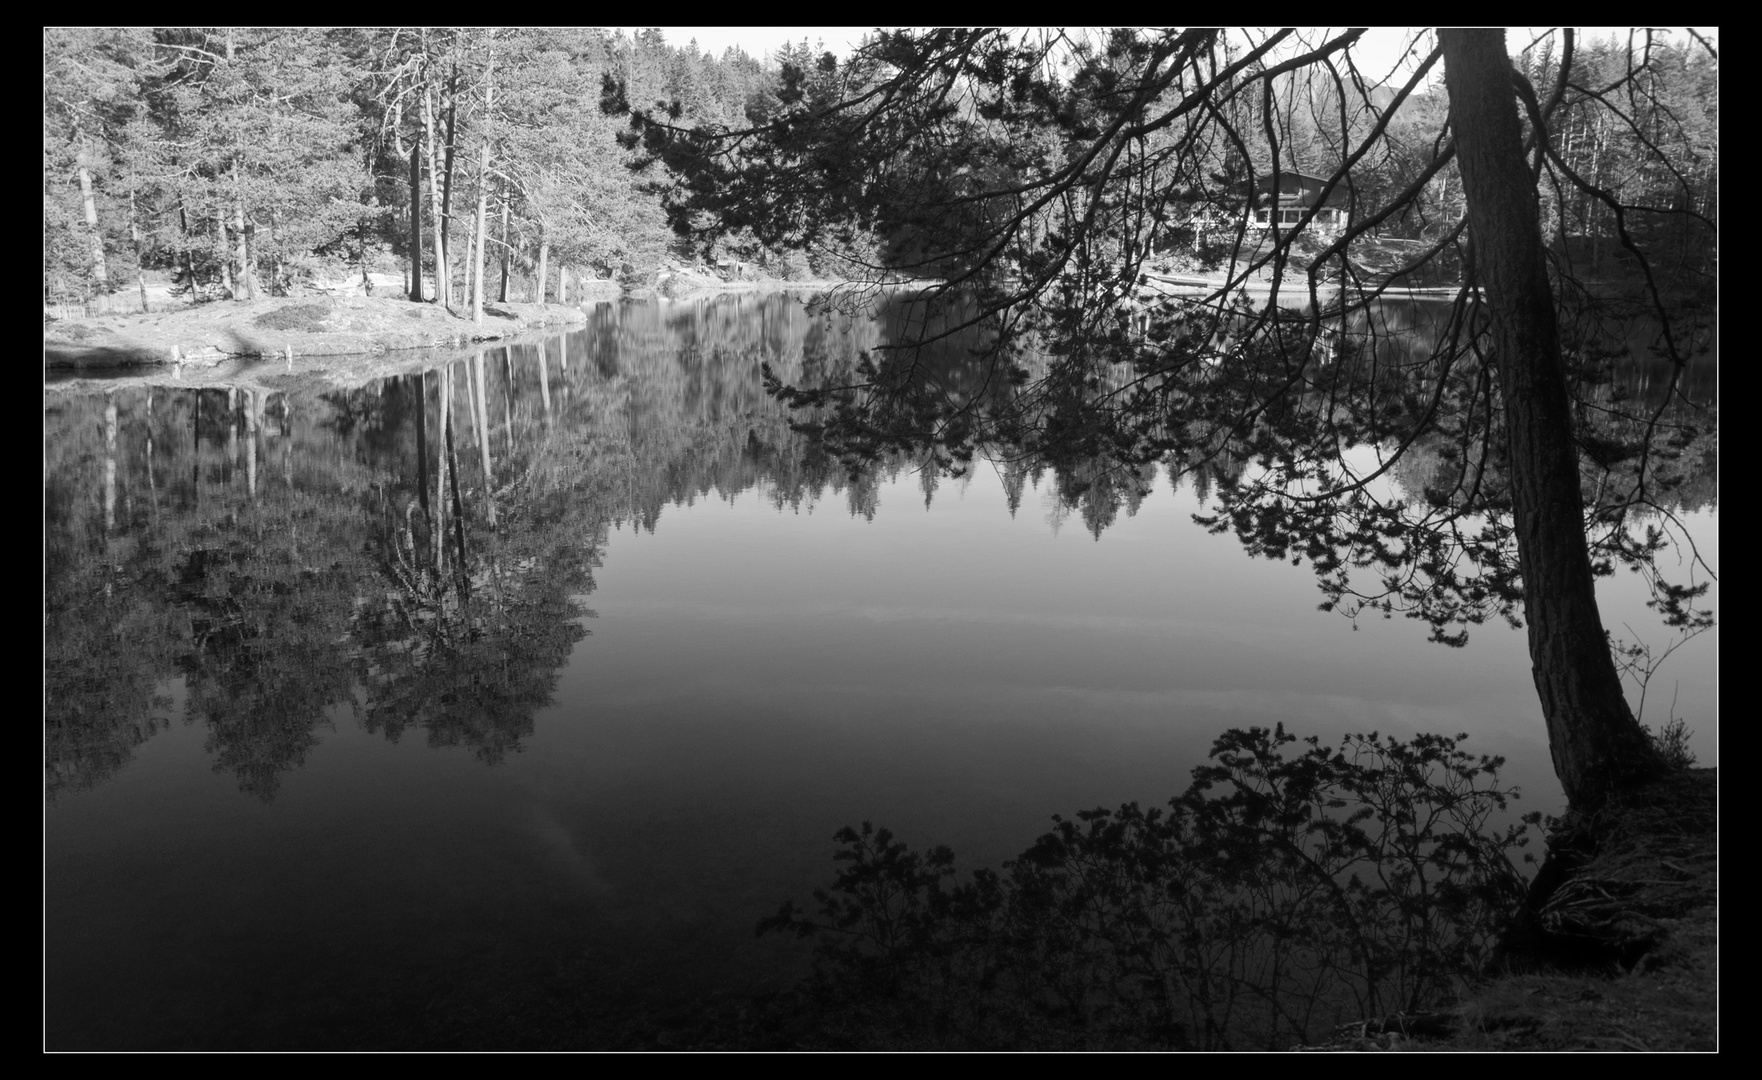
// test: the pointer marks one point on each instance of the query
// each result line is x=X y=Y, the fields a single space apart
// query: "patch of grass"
x=308 y=318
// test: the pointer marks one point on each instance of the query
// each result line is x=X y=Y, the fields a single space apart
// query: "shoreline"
x=330 y=326
x=276 y=328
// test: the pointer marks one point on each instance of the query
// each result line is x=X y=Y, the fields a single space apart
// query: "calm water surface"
x=312 y=784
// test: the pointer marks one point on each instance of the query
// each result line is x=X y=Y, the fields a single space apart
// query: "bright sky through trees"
x=1379 y=52
x=759 y=42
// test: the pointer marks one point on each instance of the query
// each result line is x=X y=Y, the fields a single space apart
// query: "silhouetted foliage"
x=1038 y=174
x=1287 y=890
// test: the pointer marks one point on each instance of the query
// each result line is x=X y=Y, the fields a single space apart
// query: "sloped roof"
x=1302 y=189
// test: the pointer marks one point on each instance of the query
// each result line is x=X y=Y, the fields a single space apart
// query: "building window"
x=1260 y=216
x=1290 y=217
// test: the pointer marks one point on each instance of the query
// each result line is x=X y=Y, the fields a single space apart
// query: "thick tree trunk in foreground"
x=1597 y=745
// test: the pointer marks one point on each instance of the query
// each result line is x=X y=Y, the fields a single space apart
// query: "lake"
x=332 y=761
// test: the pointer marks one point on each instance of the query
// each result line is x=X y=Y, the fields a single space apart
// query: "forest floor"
x=309 y=325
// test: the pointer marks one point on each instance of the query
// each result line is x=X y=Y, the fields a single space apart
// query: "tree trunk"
x=246 y=279
x=134 y=231
x=505 y=249
x=483 y=197
x=443 y=285
x=544 y=252
x=482 y=211
x=470 y=261
x=183 y=220
x=446 y=210
x=100 y=269
x=1596 y=743
x=416 y=220
x=226 y=278
x=275 y=268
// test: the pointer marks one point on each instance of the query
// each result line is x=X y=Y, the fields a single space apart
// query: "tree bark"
x=544 y=252
x=134 y=231
x=416 y=220
x=226 y=278
x=1597 y=745
x=483 y=196
x=505 y=249
x=446 y=209
x=246 y=279
x=183 y=220
x=470 y=261
x=275 y=268
x=88 y=196
x=443 y=285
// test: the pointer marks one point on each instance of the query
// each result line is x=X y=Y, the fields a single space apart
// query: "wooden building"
x=1298 y=193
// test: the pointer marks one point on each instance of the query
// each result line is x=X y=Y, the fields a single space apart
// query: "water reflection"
x=422 y=553
x=263 y=587
x=418 y=549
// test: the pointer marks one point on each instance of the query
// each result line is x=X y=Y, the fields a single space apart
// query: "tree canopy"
x=246 y=161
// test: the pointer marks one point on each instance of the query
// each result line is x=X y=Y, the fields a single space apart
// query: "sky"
x=760 y=41
x=1378 y=51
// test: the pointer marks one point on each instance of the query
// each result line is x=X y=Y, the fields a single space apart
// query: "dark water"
x=321 y=773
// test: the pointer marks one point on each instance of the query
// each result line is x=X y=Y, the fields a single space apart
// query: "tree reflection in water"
x=403 y=566
x=400 y=567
